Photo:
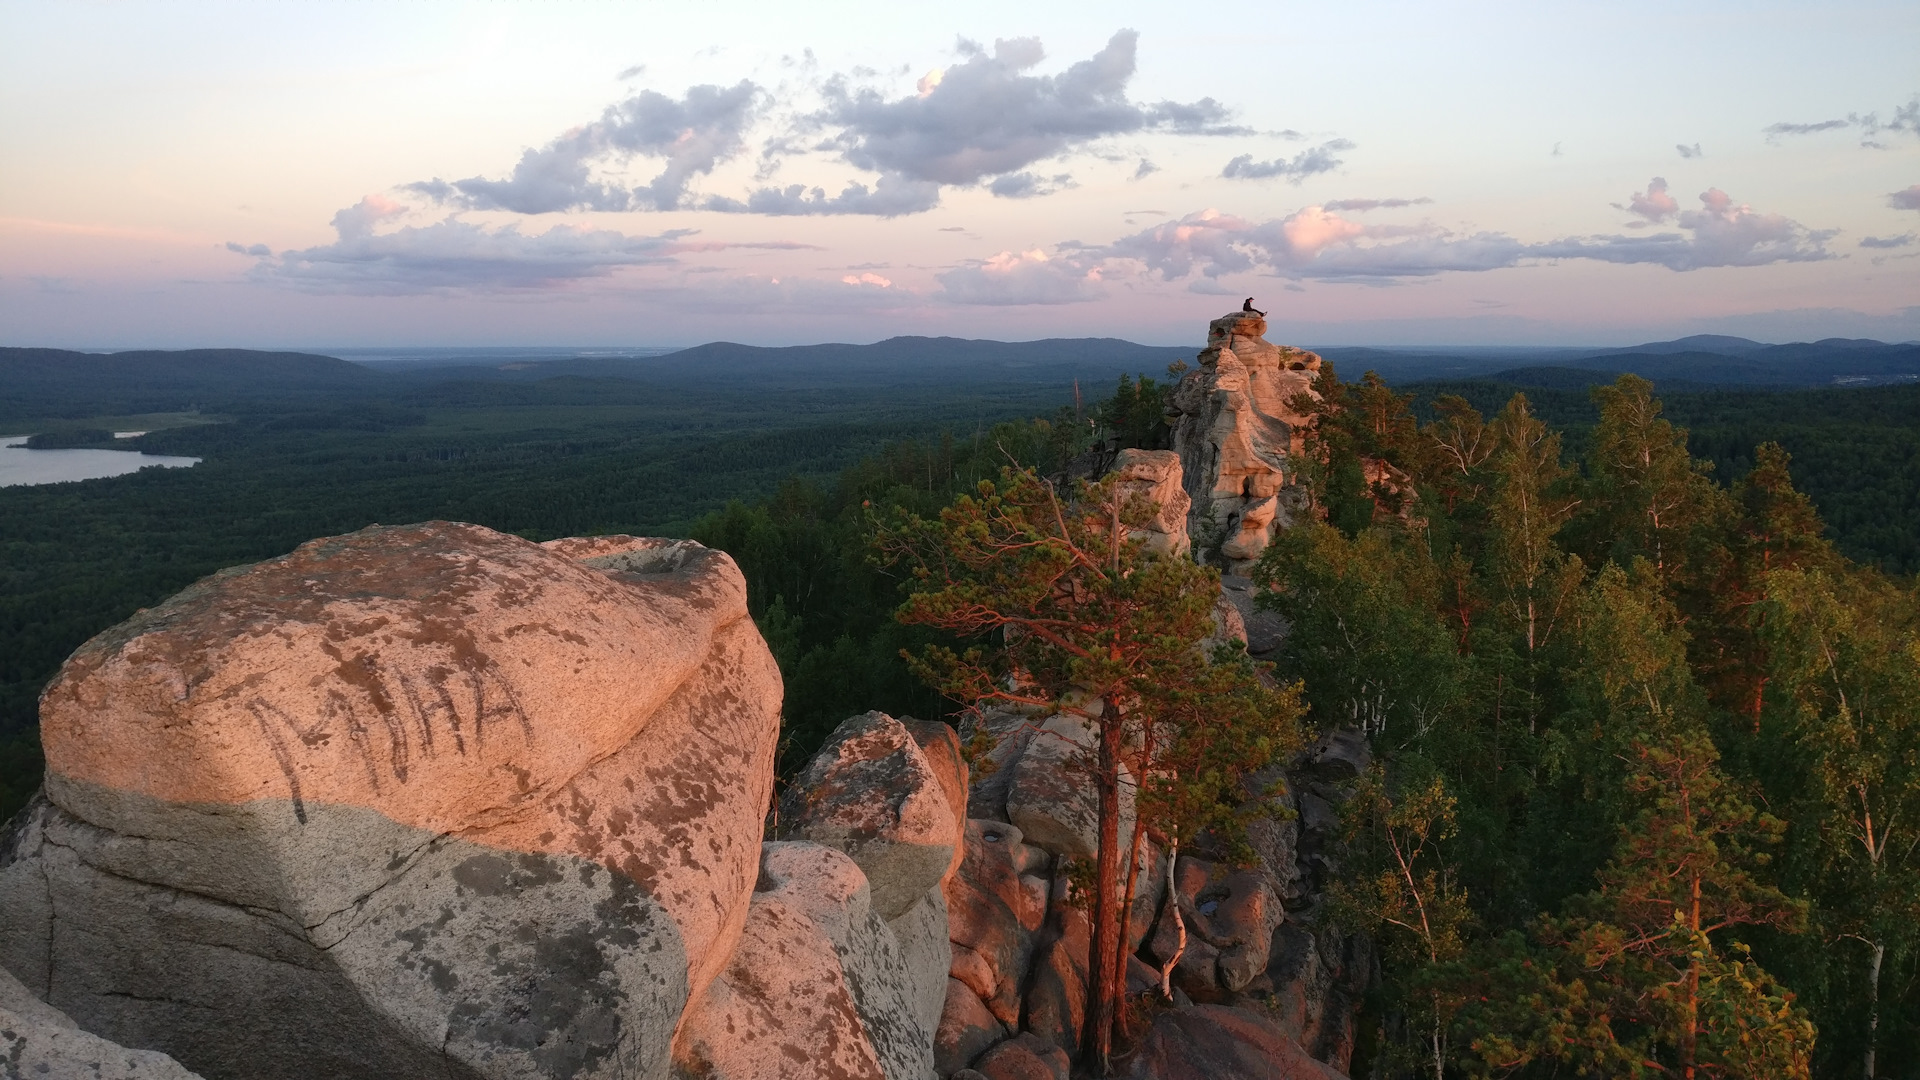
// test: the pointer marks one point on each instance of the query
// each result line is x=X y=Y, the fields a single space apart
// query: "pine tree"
x=1095 y=627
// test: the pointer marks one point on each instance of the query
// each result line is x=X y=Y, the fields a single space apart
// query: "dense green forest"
x=1534 y=769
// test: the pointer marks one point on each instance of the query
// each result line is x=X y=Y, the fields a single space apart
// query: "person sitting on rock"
x=1247 y=306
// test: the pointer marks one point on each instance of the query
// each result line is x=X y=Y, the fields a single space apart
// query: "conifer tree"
x=1844 y=653
x=1095 y=627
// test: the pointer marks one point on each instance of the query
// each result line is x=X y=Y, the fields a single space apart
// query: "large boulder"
x=817 y=988
x=1229 y=915
x=1051 y=795
x=996 y=905
x=425 y=800
x=872 y=792
x=1239 y=437
x=891 y=794
x=1214 y=1042
x=41 y=1042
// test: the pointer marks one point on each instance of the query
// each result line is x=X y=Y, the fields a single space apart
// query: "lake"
x=19 y=465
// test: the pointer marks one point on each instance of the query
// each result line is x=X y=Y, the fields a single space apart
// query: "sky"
x=190 y=174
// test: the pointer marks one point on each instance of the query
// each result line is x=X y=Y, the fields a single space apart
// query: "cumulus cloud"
x=1313 y=162
x=1688 y=151
x=1887 y=241
x=454 y=255
x=260 y=251
x=869 y=278
x=1905 y=200
x=1316 y=242
x=1653 y=205
x=693 y=134
x=1906 y=121
x=1025 y=185
x=1363 y=205
x=1024 y=277
x=1724 y=233
x=990 y=116
x=360 y=218
x=890 y=196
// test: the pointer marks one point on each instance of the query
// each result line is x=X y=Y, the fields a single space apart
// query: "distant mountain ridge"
x=38 y=383
x=44 y=383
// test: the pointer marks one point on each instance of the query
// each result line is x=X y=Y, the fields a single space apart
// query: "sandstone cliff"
x=1239 y=438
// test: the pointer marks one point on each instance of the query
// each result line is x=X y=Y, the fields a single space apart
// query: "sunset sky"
x=353 y=174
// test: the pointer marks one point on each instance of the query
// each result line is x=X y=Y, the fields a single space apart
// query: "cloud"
x=989 y=116
x=1316 y=242
x=693 y=134
x=1146 y=169
x=1774 y=131
x=1887 y=241
x=1025 y=185
x=1724 y=234
x=1688 y=151
x=1906 y=120
x=1027 y=277
x=360 y=218
x=454 y=255
x=1306 y=163
x=1363 y=205
x=1905 y=200
x=891 y=196
x=1654 y=204
x=868 y=279
x=261 y=251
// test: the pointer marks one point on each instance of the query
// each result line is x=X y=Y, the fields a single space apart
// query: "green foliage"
x=1654 y=736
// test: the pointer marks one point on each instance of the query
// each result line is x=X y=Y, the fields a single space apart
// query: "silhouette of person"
x=1250 y=309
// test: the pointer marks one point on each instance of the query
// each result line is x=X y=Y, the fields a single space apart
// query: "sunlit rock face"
x=1239 y=439
x=429 y=800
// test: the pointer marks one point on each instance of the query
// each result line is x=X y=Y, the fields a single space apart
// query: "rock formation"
x=433 y=801
x=1239 y=437
x=425 y=801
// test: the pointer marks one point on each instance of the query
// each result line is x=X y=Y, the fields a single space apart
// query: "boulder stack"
x=1238 y=436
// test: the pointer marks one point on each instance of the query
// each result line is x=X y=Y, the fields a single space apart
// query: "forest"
x=1600 y=637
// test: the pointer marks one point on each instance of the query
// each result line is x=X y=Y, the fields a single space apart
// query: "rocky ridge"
x=435 y=801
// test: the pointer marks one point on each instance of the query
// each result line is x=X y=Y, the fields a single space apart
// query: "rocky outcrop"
x=1213 y=1042
x=817 y=988
x=1238 y=438
x=1156 y=477
x=1258 y=937
x=429 y=801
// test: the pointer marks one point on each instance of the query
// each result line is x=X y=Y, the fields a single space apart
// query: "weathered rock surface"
x=1154 y=475
x=1214 y=1042
x=427 y=800
x=996 y=904
x=1025 y=1057
x=817 y=988
x=872 y=793
x=1235 y=431
x=39 y=1041
x=1230 y=915
x=1050 y=796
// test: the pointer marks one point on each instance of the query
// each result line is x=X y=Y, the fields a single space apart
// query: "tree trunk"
x=1179 y=924
x=1118 y=974
x=1098 y=1036
x=1690 y=1033
x=1873 y=1005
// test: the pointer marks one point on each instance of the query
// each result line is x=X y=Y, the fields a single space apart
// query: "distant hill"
x=897 y=361
x=38 y=383
x=1692 y=363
